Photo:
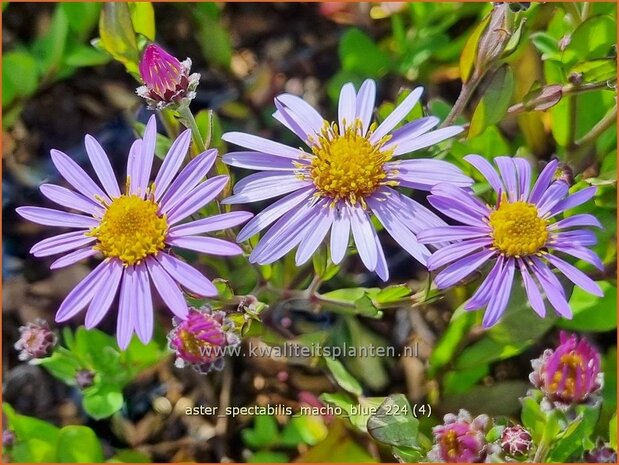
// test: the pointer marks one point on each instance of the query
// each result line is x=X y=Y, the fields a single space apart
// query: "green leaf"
x=499 y=399
x=50 y=48
x=572 y=438
x=338 y=446
x=102 y=401
x=612 y=432
x=592 y=313
x=84 y=55
x=62 y=364
x=350 y=301
x=394 y=423
x=118 y=36
x=36 y=439
x=263 y=433
x=495 y=101
x=143 y=18
x=266 y=456
x=360 y=55
x=594 y=38
x=451 y=338
x=342 y=377
x=79 y=444
x=603 y=69
x=20 y=75
x=130 y=456
x=82 y=16
x=469 y=52
x=533 y=418
x=214 y=40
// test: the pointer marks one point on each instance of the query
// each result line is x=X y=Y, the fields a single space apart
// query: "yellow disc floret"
x=347 y=166
x=517 y=229
x=572 y=370
x=130 y=229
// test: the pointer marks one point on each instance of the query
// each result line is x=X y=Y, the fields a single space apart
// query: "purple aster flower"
x=166 y=80
x=347 y=175
x=460 y=439
x=516 y=441
x=134 y=231
x=202 y=339
x=36 y=340
x=569 y=374
x=521 y=232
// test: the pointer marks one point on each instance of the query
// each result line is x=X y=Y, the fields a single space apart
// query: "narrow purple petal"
x=460 y=269
x=543 y=181
x=507 y=169
x=125 y=322
x=68 y=198
x=210 y=224
x=552 y=287
x=208 y=245
x=60 y=243
x=261 y=186
x=73 y=257
x=291 y=121
x=412 y=130
x=452 y=252
x=485 y=168
x=397 y=115
x=261 y=145
x=82 y=293
x=306 y=114
x=582 y=253
x=427 y=139
x=482 y=295
x=133 y=167
x=51 y=217
x=574 y=200
x=315 y=236
x=340 y=234
x=583 y=219
x=424 y=174
x=575 y=275
x=523 y=168
x=535 y=297
x=390 y=218
x=365 y=103
x=364 y=239
x=258 y=161
x=347 y=106
x=147 y=154
x=189 y=178
x=167 y=288
x=172 y=163
x=462 y=196
x=414 y=216
x=382 y=269
x=553 y=196
x=500 y=295
x=143 y=313
x=451 y=233
x=76 y=176
x=578 y=237
x=186 y=275
x=272 y=213
x=104 y=295
x=459 y=211
x=196 y=199
x=101 y=164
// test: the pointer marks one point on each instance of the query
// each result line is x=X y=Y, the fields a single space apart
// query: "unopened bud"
x=516 y=441
x=36 y=340
x=84 y=378
x=543 y=98
x=494 y=39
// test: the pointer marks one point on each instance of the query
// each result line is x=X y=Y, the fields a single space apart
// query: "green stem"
x=468 y=88
x=186 y=117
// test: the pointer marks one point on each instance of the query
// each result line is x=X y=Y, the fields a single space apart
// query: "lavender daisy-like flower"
x=461 y=438
x=348 y=174
x=166 y=79
x=133 y=231
x=521 y=232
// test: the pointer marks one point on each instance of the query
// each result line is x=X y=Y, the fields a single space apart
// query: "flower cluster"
x=461 y=438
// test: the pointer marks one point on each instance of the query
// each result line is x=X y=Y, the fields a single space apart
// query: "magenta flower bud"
x=460 y=439
x=202 y=339
x=602 y=453
x=569 y=374
x=36 y=340
x=8 y=438
x=84 y=378
x=516 y=441
x=166 y=80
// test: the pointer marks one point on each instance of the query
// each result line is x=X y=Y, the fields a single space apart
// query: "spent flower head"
x=601 y=453
x=166 y=80
x=350 y=171
x=36 y=340
x=133 y=231
x=203 y=339
x=516 y=441
x=522 y=232
x=461 y=438
x=570 y=373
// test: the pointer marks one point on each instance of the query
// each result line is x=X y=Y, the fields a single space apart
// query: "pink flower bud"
x=516 y=441
x=36 y=341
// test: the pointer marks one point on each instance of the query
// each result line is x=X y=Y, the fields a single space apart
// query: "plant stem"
x=575 y=154
x=186 y=117
x=468 y=88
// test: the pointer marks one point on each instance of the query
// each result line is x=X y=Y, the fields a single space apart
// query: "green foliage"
x=96 y=351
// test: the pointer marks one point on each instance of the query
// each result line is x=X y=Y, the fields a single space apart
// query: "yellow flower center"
x=347 y=166
x=450 y=443
x=130 y=230
x=517 y=229
x=571 y=368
